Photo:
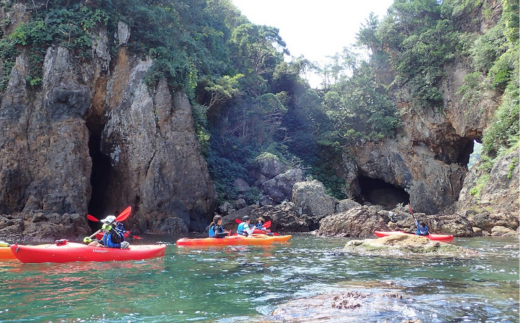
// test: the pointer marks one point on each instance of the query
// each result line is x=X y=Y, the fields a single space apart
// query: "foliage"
x=361 y=108
x=512 y=167
x=422 y=41
x=69 y=27
x=481 y=183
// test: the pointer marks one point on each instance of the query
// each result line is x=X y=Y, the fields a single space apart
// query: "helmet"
x=109 y=219
x=245 y=218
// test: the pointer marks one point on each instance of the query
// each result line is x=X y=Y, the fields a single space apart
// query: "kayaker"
x=112 y=237
x=245 y=228
x=215 y=228
x=422 y=228
x=260 y=224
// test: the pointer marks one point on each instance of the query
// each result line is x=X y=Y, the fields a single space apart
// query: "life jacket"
x=216 y=231
x=260 y=226
x=113 y=238
x=421 y=231
x=240 y=229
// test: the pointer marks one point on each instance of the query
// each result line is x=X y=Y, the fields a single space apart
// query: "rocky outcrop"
x=345 y=205
x=310 y=198
x=428 y=156
x=153 y=160
x=362 y=221
x=45 y=163
x=280 y=187
x=284 y=218
x=491 y=199
x=35 y=226
x=431 y=182
x=407 y=245
x=342 y=302
x=152 y=147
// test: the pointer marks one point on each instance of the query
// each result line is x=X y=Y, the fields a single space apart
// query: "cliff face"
x=429 y=156
x=95 y=138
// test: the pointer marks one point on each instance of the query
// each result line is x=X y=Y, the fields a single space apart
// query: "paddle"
x=120 y=218
x=411 y=211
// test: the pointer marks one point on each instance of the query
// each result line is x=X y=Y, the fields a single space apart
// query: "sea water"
x=246 y=283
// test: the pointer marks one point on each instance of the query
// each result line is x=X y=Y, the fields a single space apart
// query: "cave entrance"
x=376 y=191
x=99 y=179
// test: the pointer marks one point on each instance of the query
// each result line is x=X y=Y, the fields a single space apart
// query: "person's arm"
x=250 y=229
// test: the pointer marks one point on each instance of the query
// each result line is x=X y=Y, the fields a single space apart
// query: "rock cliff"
x=94 y=137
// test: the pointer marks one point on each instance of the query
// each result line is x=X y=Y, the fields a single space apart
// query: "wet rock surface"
x=344 y=305
x=407 y=246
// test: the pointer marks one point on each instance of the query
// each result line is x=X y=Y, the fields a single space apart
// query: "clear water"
x=245 y=283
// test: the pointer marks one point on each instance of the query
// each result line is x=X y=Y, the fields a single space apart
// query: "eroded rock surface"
x=407 y=245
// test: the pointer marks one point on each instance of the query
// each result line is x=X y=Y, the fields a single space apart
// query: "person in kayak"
x=245 y=228
x=422 y=228
x=215 y=228
x=260 y=224
x=112 y=237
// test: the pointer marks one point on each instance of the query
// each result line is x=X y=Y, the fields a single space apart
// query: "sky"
x=313 y=28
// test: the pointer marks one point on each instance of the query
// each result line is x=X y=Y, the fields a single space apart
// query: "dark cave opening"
x=376 y=191
x=99 y=179
x=467 y=146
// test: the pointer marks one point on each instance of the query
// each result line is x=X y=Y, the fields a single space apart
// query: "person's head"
x=261 y=220
x=217 y=219
x=422 y=224
x=246 y=219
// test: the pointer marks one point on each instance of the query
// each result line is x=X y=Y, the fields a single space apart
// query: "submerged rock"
x=339 y=306
x=407 y=245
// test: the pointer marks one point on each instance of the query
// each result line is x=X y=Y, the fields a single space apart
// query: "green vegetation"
x=248 y=103
x=512 y=167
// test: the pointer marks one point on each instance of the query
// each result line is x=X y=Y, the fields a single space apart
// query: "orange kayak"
x=277 y=238
x=227 y=241
x=70 y=252
x=6 y=253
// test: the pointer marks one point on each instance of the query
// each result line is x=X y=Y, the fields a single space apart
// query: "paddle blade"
x=137 y=238
x=92 y=218
x=124 y=215
x=238 y=221
x=267 y=224
x=410 y=207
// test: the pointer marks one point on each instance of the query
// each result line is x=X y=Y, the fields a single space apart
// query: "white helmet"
x=109 y=219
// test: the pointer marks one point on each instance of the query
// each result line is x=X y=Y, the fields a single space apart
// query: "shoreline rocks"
x=407 y=246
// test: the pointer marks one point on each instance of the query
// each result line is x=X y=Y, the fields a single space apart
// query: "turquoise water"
x=246 y=283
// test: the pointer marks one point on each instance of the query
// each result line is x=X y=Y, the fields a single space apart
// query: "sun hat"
x=109 y=219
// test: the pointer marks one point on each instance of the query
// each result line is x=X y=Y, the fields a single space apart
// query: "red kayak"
x=438 y=237
x=70 y=252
